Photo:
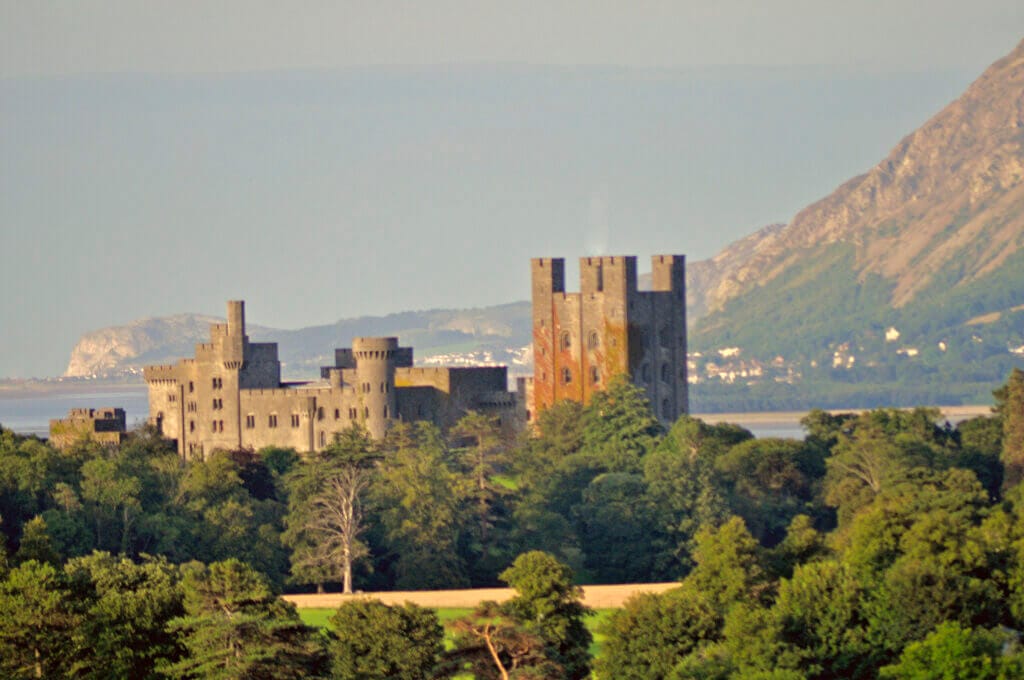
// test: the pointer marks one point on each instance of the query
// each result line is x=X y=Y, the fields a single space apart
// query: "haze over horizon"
x=353 y=161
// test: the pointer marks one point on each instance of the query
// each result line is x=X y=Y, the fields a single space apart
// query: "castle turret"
x=375 y=375
x=234 y=341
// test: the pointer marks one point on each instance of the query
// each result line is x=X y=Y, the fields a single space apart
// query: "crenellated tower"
x=582 y=340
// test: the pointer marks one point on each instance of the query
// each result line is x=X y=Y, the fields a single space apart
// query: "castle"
x=230 y=395
x=581 y=340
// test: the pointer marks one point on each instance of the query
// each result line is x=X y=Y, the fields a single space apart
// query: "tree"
x=652 y=633
x=38 y=618
x=1010 y=404
x=729 y=566
x=684 y=488
x=818 y=612
x=494 y=644
x=371 y=640
x=326 y=509
x=881 y=447
x=127 y=608
x=548 y=604
x=224 y=519
x=769 y=482
x=36 y=544
x=420 y=496
x=114 y=497
x=235 y=627
x=615 y=523
x=951 y=652
x=619 y=427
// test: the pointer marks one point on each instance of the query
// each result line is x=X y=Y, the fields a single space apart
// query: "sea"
x=30 y=413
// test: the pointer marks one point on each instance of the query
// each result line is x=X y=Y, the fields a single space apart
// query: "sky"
x=325 y=160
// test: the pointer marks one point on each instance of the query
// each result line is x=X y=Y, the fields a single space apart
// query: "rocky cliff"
x=951 y=194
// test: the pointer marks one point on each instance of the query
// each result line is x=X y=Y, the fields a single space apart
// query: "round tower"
x=375 y=386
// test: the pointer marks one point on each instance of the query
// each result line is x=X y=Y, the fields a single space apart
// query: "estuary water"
x=28 y=413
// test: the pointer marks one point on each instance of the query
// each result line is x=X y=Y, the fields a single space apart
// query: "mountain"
x=486 y=335
x=911 y=272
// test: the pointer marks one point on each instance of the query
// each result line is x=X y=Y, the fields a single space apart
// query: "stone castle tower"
x=581 y=340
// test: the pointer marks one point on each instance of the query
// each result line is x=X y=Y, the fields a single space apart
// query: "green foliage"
x=1012 y=411
x=951 y=652
x=730 y=566
x=372 y=640
x=548 y=605
x=651 y=634
x=613 y=523
x=419 y=496
x=122 y=632
x=38 y=619
x=770 y=481
x=235 y=626
x=619 y=427
x=685 y=489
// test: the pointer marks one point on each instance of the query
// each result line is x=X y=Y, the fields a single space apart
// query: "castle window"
x=666 y=409
x=172 y=397
x=191 y=387
x=323 y=438
x=295 y=420
x=645 y=373
x=385 y=411
x=218 y=383
x=337 y=414
x=272 y=420
x=352 y=413
x=366 y=411
x=666 y=373
x=213 y=426
x=382 y=388
x=220 y=425
x=320 y=413
x=566 y=376
x=595 y=375
x=191 y=426
x=593 y=341
x=565 y=341
x=250 y=421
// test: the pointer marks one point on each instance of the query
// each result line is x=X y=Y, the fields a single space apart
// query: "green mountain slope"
x=904 y=285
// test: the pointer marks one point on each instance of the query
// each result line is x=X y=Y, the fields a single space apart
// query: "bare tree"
x=326 y=510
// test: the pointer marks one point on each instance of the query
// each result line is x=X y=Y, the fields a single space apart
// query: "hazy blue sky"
x=327 y=160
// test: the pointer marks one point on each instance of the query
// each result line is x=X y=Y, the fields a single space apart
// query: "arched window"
x=595 y=375
x=593 y=340
x=565 y=341
x=666 y=373
x=566 y=376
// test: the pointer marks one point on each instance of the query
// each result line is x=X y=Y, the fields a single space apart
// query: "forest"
x=884 y=544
